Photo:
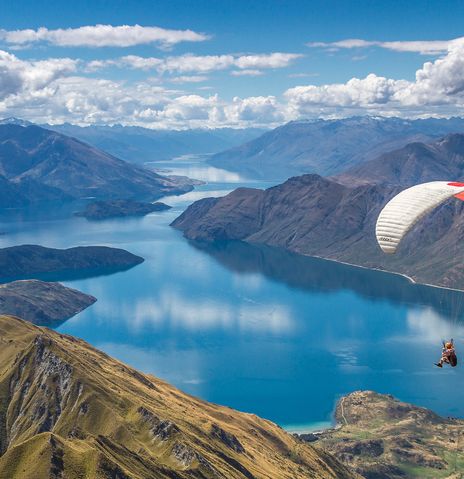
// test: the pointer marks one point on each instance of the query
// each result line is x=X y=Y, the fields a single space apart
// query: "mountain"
x=39 y=164
x=328 y=147
x=31 y=261
x=382 y=437
x=70 y=411
x=139 y=145
x=42 y=303
x=16 y=194
x=412 y=164
x=317 y=216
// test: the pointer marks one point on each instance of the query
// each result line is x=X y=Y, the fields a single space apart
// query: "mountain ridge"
x=328 y=147
x=67 y=409
x=138 y=145
x=39 y=164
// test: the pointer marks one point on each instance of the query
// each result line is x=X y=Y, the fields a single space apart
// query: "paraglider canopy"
x=404 y=210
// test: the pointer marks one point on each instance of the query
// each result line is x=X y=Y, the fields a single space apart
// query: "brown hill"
x=41 y=165
x=42 y=303
x=318 y=216
x=70 y=411
x=415 y=163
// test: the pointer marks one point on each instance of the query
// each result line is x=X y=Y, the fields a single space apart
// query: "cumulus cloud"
x=424 y=47
x=101 y=36
x=438 y=87
x=58 y=90
x=18 y=75
x=258 y=109
x=372 y=90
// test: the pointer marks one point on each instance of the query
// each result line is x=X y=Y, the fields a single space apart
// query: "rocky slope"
x=47 y=304
x=29 y=261
x=70 y=411
x=40 y=164
x=415 y=163
x=383 y=438
x=100 y=210
x=138 y=145
x=327 y=147
x=317 y=216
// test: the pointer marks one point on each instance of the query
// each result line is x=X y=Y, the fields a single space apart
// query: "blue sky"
x=229 y=63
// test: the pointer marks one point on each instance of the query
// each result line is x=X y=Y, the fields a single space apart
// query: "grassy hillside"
x=382 y=437
x=70 y=411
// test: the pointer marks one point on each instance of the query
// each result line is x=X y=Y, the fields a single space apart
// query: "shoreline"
x=409 y=278
x=317 y=427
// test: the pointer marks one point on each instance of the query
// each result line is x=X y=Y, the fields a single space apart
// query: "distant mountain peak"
x=15 y=121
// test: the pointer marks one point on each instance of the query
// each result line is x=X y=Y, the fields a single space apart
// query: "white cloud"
x=372 y=90
x=424 y=47
x=189 y=79
x=102 y=36
x=53 y=91
x=251 y=73
x=258 y=109
x=438 y=88
x=190 y=63
x=269 y=60
x=17 y=75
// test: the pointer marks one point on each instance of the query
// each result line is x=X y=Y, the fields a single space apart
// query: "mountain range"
x=139 y=145
x=328 y=147
x=70 y=411
x=335 y=218
x=39 y=165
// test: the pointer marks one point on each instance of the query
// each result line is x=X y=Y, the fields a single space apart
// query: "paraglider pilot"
x=448 y=355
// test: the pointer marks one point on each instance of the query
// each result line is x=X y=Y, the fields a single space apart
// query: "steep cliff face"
x=70 y=411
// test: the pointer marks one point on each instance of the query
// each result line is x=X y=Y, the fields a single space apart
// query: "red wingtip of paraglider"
x=456 y=183
x=460 y=196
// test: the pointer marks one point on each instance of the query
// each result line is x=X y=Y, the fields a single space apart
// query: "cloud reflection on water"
x=428 y=325
x=170 y=309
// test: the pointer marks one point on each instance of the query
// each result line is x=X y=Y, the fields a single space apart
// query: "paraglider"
x=403 y=211
x=448 y=355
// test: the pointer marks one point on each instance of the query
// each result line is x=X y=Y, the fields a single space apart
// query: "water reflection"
x=255 y=328
x=314 y=274
x=195 y=166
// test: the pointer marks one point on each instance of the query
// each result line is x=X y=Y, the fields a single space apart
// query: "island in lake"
x=42 y=303
x=101 y=210
x=32 y=261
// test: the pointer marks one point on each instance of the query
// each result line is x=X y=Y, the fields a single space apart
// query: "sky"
x=177 y=64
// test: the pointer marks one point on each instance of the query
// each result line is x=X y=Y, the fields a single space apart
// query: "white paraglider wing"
x=403 y=211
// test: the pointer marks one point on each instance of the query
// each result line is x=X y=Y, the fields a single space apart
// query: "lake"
x=254 y=328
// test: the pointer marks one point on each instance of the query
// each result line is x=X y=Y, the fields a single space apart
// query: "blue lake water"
x=254 y=328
